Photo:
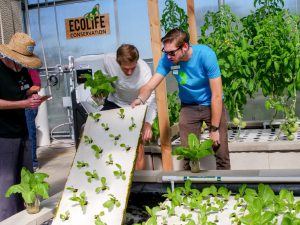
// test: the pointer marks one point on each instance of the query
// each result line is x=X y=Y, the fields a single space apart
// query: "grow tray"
x=97 y=188
x=158 y=181
x=254 y=149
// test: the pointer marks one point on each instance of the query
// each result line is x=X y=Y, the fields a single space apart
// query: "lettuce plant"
x=196 y=150
x=65 y=216
x=110 y=160
x=120 y=172
x=185 y=218
x=81 y=164
x=98 y=150
x=96 y=117
x=72 y=189
x=133 y=125
x=98 y=220
x=121 y=113
x=87 y=139
x=115 y=138
x=113 y=201
x=81 y=200
x=100 y=84
x=126 y=147
x=31 y=186
x=103 y=187
x=92 y=176
x=105 y=126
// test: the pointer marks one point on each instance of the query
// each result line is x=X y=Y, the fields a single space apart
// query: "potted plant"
x=195 y=151
x=31 y=186
x=100 y=85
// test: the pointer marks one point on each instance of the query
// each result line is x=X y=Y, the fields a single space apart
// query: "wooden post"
x=192 y=21
x=161 y=90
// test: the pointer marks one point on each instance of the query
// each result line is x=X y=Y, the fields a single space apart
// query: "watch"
x=213 y=128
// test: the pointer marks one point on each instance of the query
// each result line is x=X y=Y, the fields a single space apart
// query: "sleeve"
x=211 y=64
x=151 y=111
x=163 y=66
x=151 y=102
x=104 y=62
x=35 y=77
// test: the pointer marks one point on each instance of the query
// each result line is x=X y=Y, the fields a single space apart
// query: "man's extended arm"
x=216 y=106
x=146 y=90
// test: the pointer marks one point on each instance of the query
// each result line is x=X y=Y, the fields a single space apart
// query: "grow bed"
x=213 y=206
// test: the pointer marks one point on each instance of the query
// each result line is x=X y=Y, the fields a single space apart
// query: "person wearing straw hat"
x=15 y=82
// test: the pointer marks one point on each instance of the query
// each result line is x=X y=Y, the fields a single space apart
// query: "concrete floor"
x=56 y=160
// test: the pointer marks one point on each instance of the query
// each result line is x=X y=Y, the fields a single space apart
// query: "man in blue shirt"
x=199 y=80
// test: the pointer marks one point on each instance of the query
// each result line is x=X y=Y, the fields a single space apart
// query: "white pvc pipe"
x=117 y=22
x=233 y=179
x=1 y=27
x=42 y=124
x=221 y=2
x=27 y=18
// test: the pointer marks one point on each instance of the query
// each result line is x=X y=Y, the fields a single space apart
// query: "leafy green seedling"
x=103 y=187
x=174 y=196
x=72 y=189
x=115 y=138
x=185 y=217
x=121 y=113
x=224 y=192
x=195 y=149
x=120 y=172
x=133 y=125
x=81 y=164
x=100 y=84
x=98 y=220
x=65 y=216
x=87 y=139
x=162 y=206
x=171 y=210
x=96 y=117
x=81 y=199
x=110 y=160
x=31 y=185
x=105 y=126
x=91 y=176
x=98 y=150
x=152 y=212
x=192 y=222
x=164 y=221
x=126 y=147
x=113 y=201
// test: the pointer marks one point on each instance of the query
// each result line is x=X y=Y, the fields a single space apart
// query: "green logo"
x=183 y=78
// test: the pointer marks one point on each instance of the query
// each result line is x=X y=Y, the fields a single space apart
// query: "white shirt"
x=127 y=87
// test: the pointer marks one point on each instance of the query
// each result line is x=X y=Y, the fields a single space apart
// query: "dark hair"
x=127 y=53
x=178 y=35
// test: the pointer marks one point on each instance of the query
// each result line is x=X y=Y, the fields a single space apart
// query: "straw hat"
x=20 y=49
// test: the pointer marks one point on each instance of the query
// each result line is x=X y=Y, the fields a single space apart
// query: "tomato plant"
x=274 y=34
x=238 y=66
x=173 y=16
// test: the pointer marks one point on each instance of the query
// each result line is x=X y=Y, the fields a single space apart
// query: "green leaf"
x=193 y=141
x=269 y=63
x=108 y=204
x=277 y=66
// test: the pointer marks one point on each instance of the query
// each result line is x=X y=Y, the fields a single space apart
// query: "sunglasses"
x=171 y=53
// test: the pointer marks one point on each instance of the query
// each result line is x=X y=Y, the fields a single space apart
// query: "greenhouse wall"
x=129 y=23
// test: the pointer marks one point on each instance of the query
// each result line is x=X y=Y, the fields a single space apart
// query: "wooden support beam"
x=192 y=22
x=161 y=90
